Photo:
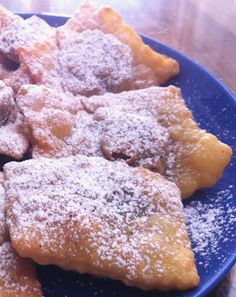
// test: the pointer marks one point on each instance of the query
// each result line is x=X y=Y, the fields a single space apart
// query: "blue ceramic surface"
x=214 y=108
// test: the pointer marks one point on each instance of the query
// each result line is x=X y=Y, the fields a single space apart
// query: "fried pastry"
x=6 y=17
x=150 y=67
x=70 y=63
x=5 y=66
x=3 y=227
x=105 y=218
x=12 y=74
x=163 y=137
x=139 y=140
x=16 y=33
x=68 y=60
x=196 y=159
x=17 y=275
x=60 y=128
x=15 y=79
x=13 y=141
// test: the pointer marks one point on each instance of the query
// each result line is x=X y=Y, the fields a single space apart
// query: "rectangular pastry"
x=99 y=217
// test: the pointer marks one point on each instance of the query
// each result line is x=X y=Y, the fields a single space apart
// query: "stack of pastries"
x=111 y=155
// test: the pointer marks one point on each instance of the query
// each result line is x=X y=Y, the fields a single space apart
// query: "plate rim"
x=219 y=275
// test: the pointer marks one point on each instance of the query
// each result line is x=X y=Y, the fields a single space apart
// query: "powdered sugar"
x=137 y=139
x=150 y=127
x=150 y=67
x=15 y=79
x=8 y=109
x=8 y=262
x=92 y=62
x=61 y=128
x=71 y=63
x=3 y=227
x=144 y=101
x=108 y=209
x=195 y=159
x=115 y=133
x=211 y=225
x=13 y=142
x=16 y=274
x=23 y=33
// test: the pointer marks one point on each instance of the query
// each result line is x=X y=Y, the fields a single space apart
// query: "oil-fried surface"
x=15 y=33
x=196 y=158
x=17 y=275
x=151 y=68
x=90 y=60
x=61 y=128
x=3 y=226
x=18 y=33
x=13 y=141
x=105 y=218
x=136 y=125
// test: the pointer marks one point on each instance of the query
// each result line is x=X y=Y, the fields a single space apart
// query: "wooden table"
x=203 y=29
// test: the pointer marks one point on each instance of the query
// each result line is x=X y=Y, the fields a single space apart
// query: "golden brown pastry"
x=150 y=127
x=150 y=67
x=12 y=74
x=3 y=227
x=109 y=57
x=13 y=141
x=196 y=158
x=99 y=217
x=6 y=17
x=61 y=128
x=15 y=32
x=17 y=275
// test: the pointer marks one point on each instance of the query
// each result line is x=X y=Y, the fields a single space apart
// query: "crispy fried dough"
x=13 y=142
x=196 y=158
x=151 y=68
x=18 y=33
x=15 y=33
x=109 y=57
x=105 y=218
x=60 y=128
x=134 y=126
x=3 y=226
x=17 y=275
x=12 y=74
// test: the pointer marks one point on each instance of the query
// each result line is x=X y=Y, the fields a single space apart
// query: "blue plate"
x=214 y=108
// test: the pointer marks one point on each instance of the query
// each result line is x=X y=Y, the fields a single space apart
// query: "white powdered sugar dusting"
x=210 y=226
x=8 y=262
x=3 y=227
x=144 y=101
x=16 y=275
x=109 y=202
x=8 y=108
x=13 y=142
x=23 y=33
x=92 y=62
x=138 y=139
x=111 y=132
